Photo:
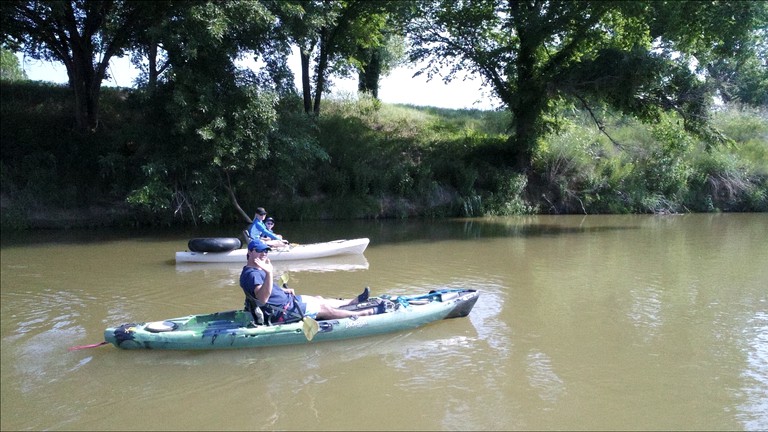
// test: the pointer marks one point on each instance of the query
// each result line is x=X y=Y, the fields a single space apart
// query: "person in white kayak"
x=258 y=230
x=269 y=222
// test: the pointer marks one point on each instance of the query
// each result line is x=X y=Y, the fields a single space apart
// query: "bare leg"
x=336 y=303
x=329 y=312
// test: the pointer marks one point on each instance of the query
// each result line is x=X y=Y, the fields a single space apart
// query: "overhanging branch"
x=600 y=125
x=232 y=196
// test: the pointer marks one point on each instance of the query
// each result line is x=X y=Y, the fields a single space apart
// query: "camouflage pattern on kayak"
x=236 y=328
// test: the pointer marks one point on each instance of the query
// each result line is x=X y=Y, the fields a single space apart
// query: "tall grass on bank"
x=453 y=162
x=656 y=168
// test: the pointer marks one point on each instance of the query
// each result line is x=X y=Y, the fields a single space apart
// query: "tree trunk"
x=85 y=83
x=86 y=87
x=152 y=72
x=528 y=105
x=368 y=78
x=85 y=78
x=322 y=66
x=306 y=89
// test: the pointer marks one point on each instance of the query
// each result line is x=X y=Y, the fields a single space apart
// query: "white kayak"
x=292 y=252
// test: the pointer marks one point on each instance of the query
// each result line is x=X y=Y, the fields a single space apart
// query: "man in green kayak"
x=282 y=303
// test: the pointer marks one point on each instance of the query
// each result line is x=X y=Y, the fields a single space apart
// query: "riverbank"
x=360 y=159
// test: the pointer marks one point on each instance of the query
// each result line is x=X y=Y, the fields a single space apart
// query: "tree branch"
x=232 y=196
x=600 y=125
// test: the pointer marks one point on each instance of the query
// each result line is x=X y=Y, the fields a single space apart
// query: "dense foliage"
x=83 y=35
x=363 y=159
x=10 y=69
x=203 y=139
x=634 y=56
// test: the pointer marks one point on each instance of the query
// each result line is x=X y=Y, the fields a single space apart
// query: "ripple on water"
x=543 y=378
x=754 y=409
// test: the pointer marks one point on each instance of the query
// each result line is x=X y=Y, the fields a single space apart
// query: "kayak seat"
x=269 y=316
x=255 y=311
x=262 y=315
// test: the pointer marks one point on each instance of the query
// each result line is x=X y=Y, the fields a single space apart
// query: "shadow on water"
x=395 y=231
x=389 y=231
x=102 y=235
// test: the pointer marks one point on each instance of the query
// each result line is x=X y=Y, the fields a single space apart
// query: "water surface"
x=595 y=323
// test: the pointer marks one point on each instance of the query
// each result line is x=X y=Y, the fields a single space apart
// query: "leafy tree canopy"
x=223 y=118
x=83 y=35
x=9 y=66
x=636 y=56
x=334 y=38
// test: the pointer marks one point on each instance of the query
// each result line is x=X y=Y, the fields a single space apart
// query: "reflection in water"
x=754 y=410
x=645 y=310
x=320 y=265
x=542 y=377
x=491 y=327
x=47 y=322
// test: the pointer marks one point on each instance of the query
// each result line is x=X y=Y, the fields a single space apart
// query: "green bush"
x=359 y=158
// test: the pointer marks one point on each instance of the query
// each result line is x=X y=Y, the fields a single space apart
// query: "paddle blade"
x=310 y=328
x=81 y=347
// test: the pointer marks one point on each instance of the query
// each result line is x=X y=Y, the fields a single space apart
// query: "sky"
x=397 y=87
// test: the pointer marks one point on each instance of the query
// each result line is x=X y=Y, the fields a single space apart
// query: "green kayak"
x=236 y=328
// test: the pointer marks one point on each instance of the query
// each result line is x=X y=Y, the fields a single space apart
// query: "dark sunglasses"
x=258 y=251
